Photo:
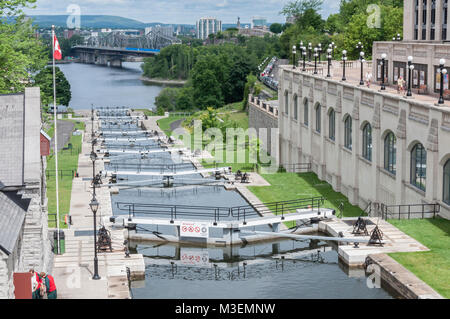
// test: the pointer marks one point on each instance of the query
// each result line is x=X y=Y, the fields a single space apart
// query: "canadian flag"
x=57 y=54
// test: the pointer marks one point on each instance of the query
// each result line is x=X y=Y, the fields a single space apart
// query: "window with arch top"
x=286 y=102
x=446 y=186
x=390 y=152
x=367 y=142
x=348 y=132
x=332 y=125
x=295 y=107
x=318 y=118
x=419 y=166
x=305 y=112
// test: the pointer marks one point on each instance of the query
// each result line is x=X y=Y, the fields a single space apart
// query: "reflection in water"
x=106 y=86
x=281 y=269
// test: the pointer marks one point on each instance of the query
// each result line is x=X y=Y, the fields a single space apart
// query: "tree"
x=297 y=8
x=276 y=28
x=167 y=99
x=44 y=80
x=21 y=54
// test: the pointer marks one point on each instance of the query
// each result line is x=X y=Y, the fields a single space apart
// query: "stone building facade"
x=24 y=238
x=369 y=145
x=425 y=32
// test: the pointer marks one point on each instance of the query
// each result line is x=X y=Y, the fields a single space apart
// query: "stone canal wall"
x=263 y=115
x=401 y=280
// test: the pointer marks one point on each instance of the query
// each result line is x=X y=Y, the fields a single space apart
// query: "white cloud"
x=176 y=11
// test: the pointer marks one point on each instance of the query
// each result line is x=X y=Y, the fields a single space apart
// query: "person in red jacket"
x=36 y=283
x=50 y=285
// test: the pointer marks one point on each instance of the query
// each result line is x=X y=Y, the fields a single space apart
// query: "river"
x=106 y=86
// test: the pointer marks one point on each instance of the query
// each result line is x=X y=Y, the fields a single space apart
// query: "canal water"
x=106 y=86
x=278 y=269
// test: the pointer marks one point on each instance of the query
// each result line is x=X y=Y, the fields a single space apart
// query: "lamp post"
x=361 y=58
x=410 y=69
x=294 y=51
x=443 y=73
x=332 y=46
x=304 y=58
x=359 y=46
x=93 y=157
x=320 y=51
x=329 y=62
x=383 y=61
x=315 y=60
x=309 y=51
x=344 y=59
x=94 y=208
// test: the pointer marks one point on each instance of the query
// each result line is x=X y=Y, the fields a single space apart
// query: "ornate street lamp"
x=443 y=73
x=304 y=58
x=94 y=208
x=359 y=46
x=332 y=46
x=294 y=51
x=361 y=59
x=93 y=157
x=315 y=60
x=309 y=51
x=344 y=60
x=383 y=62
x=329 y=62
x=320 y=51
x=410 y=69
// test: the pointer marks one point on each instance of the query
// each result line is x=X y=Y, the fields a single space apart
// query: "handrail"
x=219 y=213
x=409 y=210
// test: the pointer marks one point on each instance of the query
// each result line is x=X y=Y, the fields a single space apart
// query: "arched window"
x=419 y=166
x=318 y=118
x=332 y=125
x=348 y=132
x=286 y=102
x=367 y=142
x=390 y=152
x=305 y=112
x=446 y=194
x=295 y=107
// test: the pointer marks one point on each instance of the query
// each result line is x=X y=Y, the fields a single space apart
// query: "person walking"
x=400 y=84
x=49 y=282
x=36 y=283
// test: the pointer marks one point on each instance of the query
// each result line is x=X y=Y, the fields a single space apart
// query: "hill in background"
x=92 y=21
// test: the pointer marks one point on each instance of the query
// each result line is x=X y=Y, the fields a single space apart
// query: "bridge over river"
x=115 y=47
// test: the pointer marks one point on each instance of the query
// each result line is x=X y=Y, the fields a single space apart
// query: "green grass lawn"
x=67 y=160
x=432 y=266
x=165 y=123
x=290 y=186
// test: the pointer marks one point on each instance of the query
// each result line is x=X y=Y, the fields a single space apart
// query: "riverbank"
x=163 y=81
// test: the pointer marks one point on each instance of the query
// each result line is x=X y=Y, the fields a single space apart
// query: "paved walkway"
x=65 y=129
x=74 y=269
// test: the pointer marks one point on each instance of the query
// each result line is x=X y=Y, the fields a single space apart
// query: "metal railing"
x=159 y=167
x=409 y=211
x=217 y=213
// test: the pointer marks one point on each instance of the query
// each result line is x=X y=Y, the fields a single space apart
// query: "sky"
x=176 y=11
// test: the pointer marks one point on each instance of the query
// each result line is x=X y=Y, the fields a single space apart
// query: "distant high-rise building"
x=207 y=26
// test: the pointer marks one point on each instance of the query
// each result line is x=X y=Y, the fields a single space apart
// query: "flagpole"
x=56 y=141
